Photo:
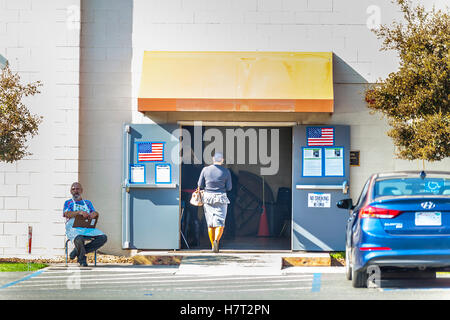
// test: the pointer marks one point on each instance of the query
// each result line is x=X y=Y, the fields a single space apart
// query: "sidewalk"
x=230 y=264
x=237 y=263
x=207 y=263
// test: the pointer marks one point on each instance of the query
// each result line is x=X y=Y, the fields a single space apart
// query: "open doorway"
x=260 y=162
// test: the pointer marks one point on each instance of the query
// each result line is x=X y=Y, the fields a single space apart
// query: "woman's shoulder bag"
x=197 y=197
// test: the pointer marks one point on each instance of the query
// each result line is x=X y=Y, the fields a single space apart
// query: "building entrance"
x=260 y=161
x=286 y=181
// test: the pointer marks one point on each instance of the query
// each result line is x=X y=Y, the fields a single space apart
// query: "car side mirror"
x=345 y=204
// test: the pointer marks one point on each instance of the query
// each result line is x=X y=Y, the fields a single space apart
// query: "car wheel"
x=348 y=267
x=359 y=279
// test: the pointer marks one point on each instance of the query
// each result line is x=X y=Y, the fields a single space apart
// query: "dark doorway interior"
x=256 y=200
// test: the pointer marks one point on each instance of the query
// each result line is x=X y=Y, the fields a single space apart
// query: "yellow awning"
x=237 y=81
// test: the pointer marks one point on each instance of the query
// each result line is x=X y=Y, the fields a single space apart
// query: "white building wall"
x=339 y=26
x=105 y=102
x=40 y=39
x=110 y=83
x=100 y=71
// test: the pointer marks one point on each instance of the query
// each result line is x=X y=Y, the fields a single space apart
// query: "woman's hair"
x=218 y=157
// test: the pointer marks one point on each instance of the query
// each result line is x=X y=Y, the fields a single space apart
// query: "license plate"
x=428 y=219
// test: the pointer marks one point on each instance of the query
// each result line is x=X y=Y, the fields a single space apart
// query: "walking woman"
x=216 y=181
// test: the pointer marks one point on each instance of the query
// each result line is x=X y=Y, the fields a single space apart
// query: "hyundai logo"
x=427 y=205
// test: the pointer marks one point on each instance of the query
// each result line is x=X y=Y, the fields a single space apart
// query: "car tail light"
x=378 y=213
x=374 y=248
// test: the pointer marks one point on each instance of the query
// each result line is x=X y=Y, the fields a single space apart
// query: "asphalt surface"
x=205 y=286
x=207 y=282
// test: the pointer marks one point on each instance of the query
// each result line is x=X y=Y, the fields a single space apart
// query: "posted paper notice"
x=334 y=162
x=163 y=173
x=312 y=162
x=137 y=174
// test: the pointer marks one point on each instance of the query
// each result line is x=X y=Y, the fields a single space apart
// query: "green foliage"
x=415 y=99
x=16 y=267
x=16 y=122
x=337 y=255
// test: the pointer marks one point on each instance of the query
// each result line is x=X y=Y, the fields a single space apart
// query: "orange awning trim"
x=262 y=105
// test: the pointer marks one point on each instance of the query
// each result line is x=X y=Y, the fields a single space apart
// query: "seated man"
x=78 y=206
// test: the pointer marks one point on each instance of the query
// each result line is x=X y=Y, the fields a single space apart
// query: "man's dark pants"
x=82 y=249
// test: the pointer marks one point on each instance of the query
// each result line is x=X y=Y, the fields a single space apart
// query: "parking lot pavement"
x=230 y=264
x=334 y=286
x=153 y=283
x=9 y=278
x=61 y=282
x=115 y=282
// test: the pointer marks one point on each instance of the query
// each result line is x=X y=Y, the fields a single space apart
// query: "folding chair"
x=66 y=248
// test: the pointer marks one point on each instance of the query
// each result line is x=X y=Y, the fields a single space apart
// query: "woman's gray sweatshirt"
x=215 y=178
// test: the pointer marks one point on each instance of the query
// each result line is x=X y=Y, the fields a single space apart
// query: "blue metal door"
x=320 y=177
x=150 y=190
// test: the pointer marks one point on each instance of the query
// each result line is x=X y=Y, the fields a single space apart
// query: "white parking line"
x=98 y=276
x=413 y=289
x=140 y=280
x=246 y=290
x=112 y=270
x=175 y=278
x=96 y=283
x=49 y=282
x=43 y=282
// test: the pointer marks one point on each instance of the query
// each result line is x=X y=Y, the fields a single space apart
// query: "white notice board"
x=312 y=162
x=334 y=162
x=163 y=173
x=137 y=173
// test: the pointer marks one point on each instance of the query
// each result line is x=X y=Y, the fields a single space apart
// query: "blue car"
x=400 y=222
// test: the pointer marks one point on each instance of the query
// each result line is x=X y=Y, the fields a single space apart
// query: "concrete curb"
x=305 y=260
x=308 y=269
x=285 y=259
x=157 y=259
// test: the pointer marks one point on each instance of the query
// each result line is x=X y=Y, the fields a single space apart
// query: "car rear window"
x=411 y=186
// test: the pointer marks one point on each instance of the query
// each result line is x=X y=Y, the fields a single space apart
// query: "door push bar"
x=344 y=187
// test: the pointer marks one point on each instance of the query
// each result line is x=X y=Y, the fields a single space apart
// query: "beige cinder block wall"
x=91 y=84
x=116 y=33
x=105 y=104
x=40 y=39
x=340 y=26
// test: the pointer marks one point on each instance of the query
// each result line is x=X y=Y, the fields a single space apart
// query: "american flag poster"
x=150 y=151
x=320 y=136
